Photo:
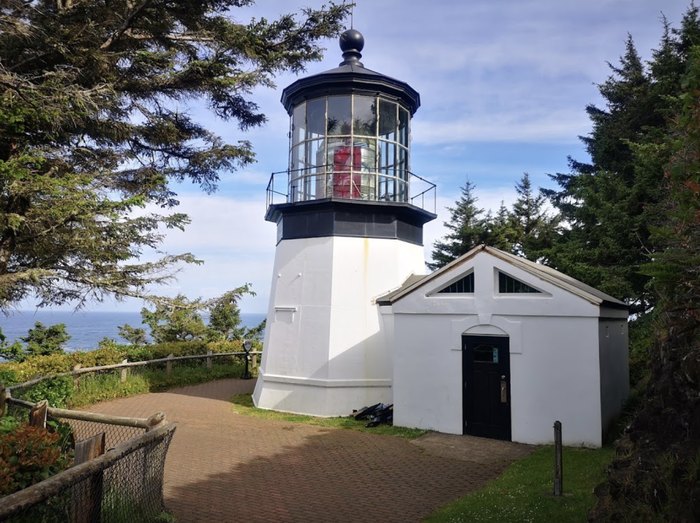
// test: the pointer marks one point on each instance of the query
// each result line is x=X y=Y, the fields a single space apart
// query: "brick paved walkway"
x=226 y=467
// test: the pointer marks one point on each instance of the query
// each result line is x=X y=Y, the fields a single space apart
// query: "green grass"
x=523 y=493
x=243 y=404
x=102 y=387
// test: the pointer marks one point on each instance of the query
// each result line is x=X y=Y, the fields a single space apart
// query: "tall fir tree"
x=501 y=234
x=612 y=203
x=533 y=229
x=467 y=229
x=655 y=476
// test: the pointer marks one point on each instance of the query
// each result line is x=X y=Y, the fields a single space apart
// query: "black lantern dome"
x=350 y=76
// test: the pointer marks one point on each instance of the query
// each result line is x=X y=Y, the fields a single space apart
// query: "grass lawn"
x=523 y=493
x=243 y=404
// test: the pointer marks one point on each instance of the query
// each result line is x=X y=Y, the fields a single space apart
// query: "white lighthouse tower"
x=350 y=218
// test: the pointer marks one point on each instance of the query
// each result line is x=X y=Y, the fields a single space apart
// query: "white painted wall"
x=325 y=351
x=554 y=339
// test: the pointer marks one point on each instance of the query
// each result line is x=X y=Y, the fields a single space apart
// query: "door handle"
x=504 y=390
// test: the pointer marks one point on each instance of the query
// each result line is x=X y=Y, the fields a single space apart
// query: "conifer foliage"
x=94 y=126
x=613 y=203
x=527 y=229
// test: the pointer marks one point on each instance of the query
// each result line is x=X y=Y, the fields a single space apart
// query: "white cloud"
x=533 y=125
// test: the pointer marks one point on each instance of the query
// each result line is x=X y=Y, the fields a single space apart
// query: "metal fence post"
x=246 y=371
x=558 y=465
x=209 y=360
x=169 y=365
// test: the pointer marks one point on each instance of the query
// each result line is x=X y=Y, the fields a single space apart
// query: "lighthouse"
x=349 y=215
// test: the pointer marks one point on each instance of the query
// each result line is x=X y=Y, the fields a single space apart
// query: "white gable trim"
x=539 y=271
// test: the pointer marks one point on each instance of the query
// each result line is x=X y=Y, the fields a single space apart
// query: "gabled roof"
x=538 y=270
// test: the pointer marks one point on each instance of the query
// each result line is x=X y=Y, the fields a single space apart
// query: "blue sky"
x=503 y=84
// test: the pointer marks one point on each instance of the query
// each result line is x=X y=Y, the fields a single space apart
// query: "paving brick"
x=227 y=467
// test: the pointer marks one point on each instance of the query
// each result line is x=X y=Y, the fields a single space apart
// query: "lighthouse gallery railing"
x=317 y=183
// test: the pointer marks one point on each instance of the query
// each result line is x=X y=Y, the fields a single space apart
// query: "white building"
x=490 y=345
x=495 y=345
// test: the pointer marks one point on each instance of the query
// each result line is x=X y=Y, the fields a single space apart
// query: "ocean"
x=85 y=328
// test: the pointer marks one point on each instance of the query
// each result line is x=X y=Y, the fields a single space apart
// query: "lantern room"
x=351 y=146
x=349 y=132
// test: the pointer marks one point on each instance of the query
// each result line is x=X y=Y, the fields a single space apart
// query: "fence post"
x=208 y=360
x=38 y=414
x=124 y=373
x=89 y=507
x=76 y=379
x=4 y=395
x=169 y=364
x=255 y=362
x=155 y=421
x=558 y=465
x=246 y=348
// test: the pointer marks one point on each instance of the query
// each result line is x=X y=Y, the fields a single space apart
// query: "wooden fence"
x=121 y=484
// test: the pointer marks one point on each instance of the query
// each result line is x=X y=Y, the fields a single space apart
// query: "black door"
x=486 y=386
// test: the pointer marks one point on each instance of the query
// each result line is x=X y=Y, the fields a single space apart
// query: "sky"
x=503 y=85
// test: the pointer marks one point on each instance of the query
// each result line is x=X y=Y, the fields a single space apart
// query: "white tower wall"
x=325 y=352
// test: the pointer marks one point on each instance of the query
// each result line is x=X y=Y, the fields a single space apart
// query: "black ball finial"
x=351 y=43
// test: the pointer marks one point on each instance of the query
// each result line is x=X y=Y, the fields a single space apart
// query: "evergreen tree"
x=11 y=351
x=467 y=229
x=501 y=234
x=656 y=476
x=42 y=340
x=532 y=229
x=175 y=319
x=611 y=204
x=225 y=316
x=94 y=126
x=133 y=335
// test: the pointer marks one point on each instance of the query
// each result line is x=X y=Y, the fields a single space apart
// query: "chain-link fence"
x=123 y=485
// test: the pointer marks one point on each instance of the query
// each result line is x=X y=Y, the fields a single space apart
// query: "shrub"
x=57 y=391
x=107 y=355
x=8 y=376
x=225 y=346
x=29 y=455
x=178 y=348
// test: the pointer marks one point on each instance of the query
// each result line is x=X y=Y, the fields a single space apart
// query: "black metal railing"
x=320 y=182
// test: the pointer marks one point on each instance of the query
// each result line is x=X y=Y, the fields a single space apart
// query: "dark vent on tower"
x=462 y=286
x=509 y=285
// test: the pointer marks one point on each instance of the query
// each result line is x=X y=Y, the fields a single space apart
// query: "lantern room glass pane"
x=339 y=115
x=316 y=118
x=365 y=116
x=298 y=157
x=403 y=127
x=387 y=120
x=299 y=123
x=349 y=146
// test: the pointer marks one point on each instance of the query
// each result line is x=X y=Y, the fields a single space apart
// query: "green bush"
x=108 y=355
x=178 y=348
x=57 y=391
x=8 y=376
